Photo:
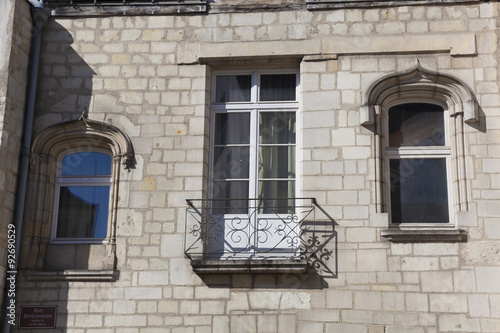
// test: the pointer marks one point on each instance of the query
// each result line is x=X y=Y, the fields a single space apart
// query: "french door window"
x=253 y=159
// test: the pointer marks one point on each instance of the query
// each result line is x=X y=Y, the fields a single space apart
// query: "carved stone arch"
x=420 y=83
x=84 y=133
x=81 y=135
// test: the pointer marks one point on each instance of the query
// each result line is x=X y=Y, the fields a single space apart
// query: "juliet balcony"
x=266 y=235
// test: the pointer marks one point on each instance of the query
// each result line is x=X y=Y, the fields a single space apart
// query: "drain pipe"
x=40 y=16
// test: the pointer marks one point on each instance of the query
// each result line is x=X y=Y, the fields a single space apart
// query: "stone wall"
x=150 y=77
x=15 y=33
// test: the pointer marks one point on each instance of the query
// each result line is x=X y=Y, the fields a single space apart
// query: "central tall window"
x=253 y=158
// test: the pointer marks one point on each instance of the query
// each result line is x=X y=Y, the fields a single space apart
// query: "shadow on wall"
x=65 y=81
x=64 y=90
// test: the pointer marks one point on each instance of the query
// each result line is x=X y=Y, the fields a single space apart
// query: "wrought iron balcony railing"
x=254 y=231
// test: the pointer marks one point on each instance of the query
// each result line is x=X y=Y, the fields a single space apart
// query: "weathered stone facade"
x=150 y=78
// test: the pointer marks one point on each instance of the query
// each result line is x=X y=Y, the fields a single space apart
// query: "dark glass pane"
x=83 y=212
x=233 y=88
x=228 y=197
x=277 y=87
x=277 y=127
x=277 y=162
x=276 y=196
x=231 y=162
x=419 y=192
x=86 y=164
x=416 y=124
x=232 y=128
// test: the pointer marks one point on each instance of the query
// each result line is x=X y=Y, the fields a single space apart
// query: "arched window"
x=418 y=120
x=417 y=160
x=71 y=210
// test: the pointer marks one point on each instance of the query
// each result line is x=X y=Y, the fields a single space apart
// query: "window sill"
x=207 y=266
x=72 y=275
x=424 y=235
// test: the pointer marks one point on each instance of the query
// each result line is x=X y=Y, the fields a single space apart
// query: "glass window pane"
x=231 y=189
x=231 y=162
x=276 y=196
x=277 y=162
x=233 y=88
x=232 y=128
x=277 y=127
x=416 y=124
x=277 y=87
x=86 y=164
x=83 y=212
x=419 y=192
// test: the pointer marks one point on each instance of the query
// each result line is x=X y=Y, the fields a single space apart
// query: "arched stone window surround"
x=74 y=136
x=421 y=84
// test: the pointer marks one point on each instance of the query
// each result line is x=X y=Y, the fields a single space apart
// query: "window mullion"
x=254 y=159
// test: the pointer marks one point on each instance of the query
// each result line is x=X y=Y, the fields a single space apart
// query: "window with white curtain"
x=82 y=197
x=253 y=155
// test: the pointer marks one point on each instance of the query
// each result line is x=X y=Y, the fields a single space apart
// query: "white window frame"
x=414 y=152
x=65 y=181
x=254 y=108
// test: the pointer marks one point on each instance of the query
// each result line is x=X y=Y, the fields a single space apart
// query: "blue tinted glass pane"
x=86 y=164
x=419 y=191
x=83 y=212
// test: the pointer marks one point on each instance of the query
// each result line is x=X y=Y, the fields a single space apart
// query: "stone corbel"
x=368 y=113
x=471 y=111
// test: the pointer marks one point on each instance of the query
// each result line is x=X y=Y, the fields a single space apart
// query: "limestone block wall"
x=15 y=31
x=150 y=76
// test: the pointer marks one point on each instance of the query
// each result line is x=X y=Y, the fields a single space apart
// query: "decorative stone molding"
x=420 y=83
x=81 y=134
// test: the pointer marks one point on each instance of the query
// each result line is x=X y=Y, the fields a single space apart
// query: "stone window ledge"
x=420 y=235
x=207 y=266
x=72 y=275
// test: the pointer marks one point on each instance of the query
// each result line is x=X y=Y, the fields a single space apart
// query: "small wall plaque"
x=37 y=317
